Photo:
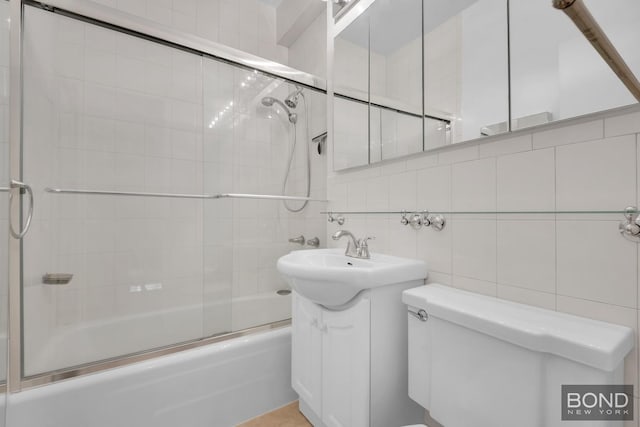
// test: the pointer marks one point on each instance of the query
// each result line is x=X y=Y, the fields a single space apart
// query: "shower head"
x=292 y=99
x=268 y=101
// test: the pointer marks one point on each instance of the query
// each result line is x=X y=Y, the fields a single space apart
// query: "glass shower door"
x=109 y=275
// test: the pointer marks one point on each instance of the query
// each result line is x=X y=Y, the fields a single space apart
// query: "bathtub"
x=88 y=342
x=217 y=385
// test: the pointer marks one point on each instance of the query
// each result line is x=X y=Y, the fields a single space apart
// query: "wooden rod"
x=582 y=18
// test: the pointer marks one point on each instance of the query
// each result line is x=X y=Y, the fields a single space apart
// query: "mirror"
x=395 y=78
x=382 y=109
x=465 y=70
x=378 y=85
x=350 y=104
x=556 y=73
x=473 y=86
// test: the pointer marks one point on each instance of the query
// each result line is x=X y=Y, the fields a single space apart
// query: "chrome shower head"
x=268 y=101
x=292 y=99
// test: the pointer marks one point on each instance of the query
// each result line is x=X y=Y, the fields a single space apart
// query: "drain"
x=283 y=291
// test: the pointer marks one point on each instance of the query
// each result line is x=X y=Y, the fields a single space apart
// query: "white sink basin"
x=330 y=278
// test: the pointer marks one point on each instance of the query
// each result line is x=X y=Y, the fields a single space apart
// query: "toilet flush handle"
x=420 y=314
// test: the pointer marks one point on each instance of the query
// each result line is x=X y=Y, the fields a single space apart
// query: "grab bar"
x=179 y=195
x=4 y=189
x=578 y=12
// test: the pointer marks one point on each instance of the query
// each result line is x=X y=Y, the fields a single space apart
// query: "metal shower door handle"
x=21 y=185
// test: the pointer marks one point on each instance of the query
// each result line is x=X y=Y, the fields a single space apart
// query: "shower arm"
x=582 y=18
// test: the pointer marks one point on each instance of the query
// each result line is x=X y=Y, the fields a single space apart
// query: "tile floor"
x=287 y=416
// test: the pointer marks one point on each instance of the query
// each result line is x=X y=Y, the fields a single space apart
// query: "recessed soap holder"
x=57 y=278
x=417 y=220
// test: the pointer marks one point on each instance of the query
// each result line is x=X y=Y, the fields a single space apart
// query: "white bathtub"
x=88 y=342
x=218 y=385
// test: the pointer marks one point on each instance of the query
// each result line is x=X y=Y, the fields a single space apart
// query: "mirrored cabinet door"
x=436 y=73
x=351 y=86
x=351 y=60
x=395 y=78
x=465 y=70
x=350 y=136
x=556 y=73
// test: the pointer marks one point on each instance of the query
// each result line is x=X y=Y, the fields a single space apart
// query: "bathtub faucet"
x=356 y=248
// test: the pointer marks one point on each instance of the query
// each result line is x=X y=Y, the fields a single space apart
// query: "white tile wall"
x=473 y=185
x=247 y=25
x=309 y=52
x=574 y=263
x=526 y=181
x=594 y=175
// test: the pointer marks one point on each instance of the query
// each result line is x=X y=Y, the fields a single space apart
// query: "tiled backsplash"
x=576 y=263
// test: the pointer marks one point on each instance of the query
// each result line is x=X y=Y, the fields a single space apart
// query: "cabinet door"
x=306 y=363
x=345 y=366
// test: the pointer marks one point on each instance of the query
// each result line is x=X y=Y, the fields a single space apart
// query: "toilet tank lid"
x=598 y=344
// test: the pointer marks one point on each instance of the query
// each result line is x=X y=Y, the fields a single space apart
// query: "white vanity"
x=349 y=361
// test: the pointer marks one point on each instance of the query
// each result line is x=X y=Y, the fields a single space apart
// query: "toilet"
x=484 y=362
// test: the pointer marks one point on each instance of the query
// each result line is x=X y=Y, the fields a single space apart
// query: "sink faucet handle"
x=363 y=247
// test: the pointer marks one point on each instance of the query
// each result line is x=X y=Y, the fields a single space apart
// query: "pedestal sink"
x=349 y=337
x=329 y=278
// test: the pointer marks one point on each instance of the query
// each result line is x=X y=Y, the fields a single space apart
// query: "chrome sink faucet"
x=356 y=248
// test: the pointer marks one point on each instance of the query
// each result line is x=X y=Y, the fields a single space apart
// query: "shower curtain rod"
x=180 y=195
x=586 y=23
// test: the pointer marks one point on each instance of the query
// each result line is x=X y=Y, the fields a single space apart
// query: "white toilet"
x=484 y=362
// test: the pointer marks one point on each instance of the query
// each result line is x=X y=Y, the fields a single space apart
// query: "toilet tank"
x=484 y=362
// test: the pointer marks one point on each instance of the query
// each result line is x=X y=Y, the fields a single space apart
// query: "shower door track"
x=115 y=362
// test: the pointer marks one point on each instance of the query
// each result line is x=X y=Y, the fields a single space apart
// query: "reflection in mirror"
x=396 y=57
x=393 y=134
x=465 y=69
x=351 y=85
x=395 y=78
x=351 y=59
x=556 y=73
x=350 y=136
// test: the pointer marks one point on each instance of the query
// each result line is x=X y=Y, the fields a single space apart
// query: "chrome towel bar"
x=4 y=189
x=179 y=195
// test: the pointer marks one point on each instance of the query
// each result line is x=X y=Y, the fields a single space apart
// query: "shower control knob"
x=299 y=240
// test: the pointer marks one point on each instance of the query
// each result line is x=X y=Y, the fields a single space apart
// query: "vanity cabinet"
x=349 y=366
x=330 y=361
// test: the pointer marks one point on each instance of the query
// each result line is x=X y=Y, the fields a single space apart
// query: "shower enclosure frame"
x=121 y=22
